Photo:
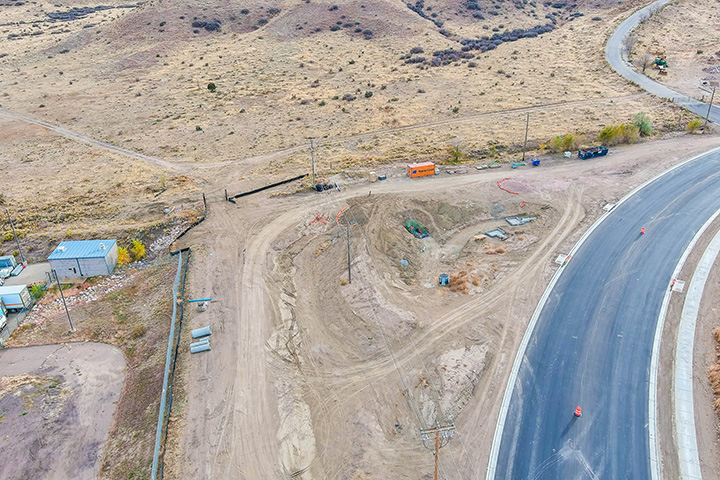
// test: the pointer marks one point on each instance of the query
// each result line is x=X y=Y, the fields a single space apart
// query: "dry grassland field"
x=115 y=118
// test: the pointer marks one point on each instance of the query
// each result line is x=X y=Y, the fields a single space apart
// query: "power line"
x=424 y=368
x=22 y=257
x=447 y=433
x=411 y=399
x=72 y=329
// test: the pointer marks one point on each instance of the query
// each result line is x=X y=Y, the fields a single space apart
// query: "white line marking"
x=500 y=426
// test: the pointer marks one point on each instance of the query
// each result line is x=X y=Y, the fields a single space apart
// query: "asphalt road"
x=593 y=340
x=616 y=56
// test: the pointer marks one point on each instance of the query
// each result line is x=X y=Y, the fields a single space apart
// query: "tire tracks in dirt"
x=508 y=287
x=346 y=383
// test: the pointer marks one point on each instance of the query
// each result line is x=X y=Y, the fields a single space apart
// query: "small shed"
x=85 y=258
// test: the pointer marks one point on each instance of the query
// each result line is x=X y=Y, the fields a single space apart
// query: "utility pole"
x=312 y=159
x=348 y=248
x=527 y=124
x=709 y=108
x=72 y=329
x=22 y=257
x=446 y=431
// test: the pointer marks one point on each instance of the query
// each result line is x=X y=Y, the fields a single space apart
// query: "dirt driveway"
x=57 y=403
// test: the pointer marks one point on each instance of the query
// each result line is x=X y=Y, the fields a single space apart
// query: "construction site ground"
x=313 y=377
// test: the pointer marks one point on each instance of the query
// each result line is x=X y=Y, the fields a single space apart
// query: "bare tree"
x=629 y=43
x=645 y=61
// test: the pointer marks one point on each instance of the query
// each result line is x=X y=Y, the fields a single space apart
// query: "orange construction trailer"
x=420 y=169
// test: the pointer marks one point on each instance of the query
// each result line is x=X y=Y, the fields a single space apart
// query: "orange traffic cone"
x=578 y=412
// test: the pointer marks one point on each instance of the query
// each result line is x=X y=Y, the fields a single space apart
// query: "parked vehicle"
x=7 y=265
x=16 y=297
x=591 y=152
x=3 y=315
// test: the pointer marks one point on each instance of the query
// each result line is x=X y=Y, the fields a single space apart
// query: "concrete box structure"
x=86 y=258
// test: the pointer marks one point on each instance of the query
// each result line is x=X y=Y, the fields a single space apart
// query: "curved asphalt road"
x=616 y=56
x=593 y=339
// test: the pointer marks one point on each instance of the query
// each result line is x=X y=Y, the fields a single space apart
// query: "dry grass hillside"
x=57 y=189
x=287 y=71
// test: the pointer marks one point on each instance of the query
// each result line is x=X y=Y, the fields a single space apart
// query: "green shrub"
x=212 y=87
x=607 y=136
x=368 y=94
x=123 y=256
x=563 y=143
x=642 y=121
x=137 y=249
x=694 y=125
x=456 y=155
x=36 y=291
x=617 y=134
x=631 y=133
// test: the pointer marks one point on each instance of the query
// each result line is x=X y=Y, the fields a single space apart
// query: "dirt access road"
x=310 y=378
x=57 y=404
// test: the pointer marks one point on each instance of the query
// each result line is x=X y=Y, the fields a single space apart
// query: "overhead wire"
x=411 y=400
x=406 y=390
x=330 y=200
x=425 y=369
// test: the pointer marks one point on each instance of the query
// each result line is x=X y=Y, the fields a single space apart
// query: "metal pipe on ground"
x=232 y=198
x=201 y=332
x=200 y=342
x=200 y=348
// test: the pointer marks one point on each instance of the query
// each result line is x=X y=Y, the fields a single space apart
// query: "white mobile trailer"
x=15 y=297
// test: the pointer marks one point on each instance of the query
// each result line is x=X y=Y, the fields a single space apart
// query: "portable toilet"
x=444 y=279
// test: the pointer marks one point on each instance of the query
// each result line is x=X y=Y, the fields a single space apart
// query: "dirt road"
x=312 y=379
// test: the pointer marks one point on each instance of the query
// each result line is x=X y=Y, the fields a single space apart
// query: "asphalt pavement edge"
x=502 y=416
x=684 y=420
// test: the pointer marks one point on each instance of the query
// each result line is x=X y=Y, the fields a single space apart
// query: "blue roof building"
x=85 y=258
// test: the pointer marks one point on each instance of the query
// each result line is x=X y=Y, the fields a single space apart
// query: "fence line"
x=174 y=362
x=168 y=359
x=272 y=185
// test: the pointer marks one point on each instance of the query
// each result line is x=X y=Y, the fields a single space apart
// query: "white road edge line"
x=500 y=426
x=652 y=398
x=684 y=421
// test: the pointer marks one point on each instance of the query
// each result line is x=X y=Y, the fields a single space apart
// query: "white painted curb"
x=655 y=362
x=500 y=426
x=684 y=419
